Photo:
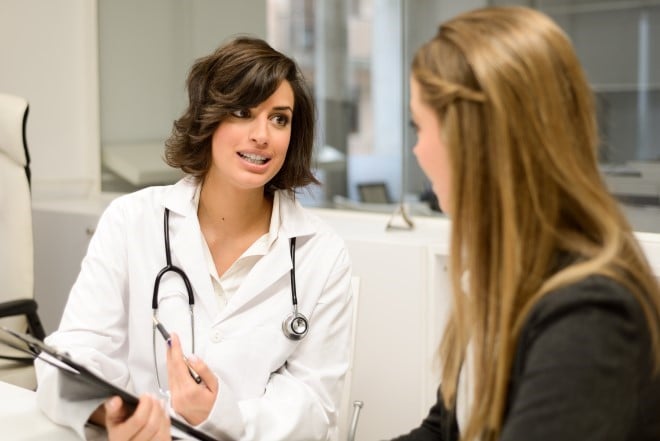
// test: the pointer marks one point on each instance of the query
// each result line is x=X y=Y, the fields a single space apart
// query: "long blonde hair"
x=519 y=121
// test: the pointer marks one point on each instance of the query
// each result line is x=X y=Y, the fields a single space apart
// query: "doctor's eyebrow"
x=283 y=108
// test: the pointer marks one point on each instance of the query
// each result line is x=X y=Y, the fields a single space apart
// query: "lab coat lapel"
x=277 y=262
x=267 y=271
x=186 y=243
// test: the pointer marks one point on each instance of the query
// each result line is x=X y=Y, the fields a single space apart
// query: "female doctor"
x=254 y=290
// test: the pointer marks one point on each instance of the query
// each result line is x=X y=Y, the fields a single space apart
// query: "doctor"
x=254 y=290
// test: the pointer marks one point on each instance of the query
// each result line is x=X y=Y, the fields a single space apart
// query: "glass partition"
x=145 y=51
x=356 y=55
x=617 y=42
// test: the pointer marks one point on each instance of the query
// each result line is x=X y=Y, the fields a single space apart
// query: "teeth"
x=255 y=159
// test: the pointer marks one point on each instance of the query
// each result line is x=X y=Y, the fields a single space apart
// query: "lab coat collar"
x=269 y=269
x=273 y=266
x=293 y=222
x=180 y=197
x=187 y=247
x=293 y=219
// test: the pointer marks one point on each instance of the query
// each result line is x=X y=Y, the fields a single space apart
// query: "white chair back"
x=16 y=240
x=16 y=246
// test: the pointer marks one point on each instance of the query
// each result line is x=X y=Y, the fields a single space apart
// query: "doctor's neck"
x=234 y=211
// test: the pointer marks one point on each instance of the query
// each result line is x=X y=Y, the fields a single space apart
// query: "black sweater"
x=582 y=371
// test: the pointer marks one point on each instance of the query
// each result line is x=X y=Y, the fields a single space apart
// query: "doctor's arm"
x=93 y=325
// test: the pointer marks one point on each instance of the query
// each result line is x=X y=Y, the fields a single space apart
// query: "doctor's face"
x=430 y=149
x=249 y=147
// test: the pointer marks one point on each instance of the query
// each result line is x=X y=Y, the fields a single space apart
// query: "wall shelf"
x=140 y=163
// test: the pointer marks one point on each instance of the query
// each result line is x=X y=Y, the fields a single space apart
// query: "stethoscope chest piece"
x=295 y=326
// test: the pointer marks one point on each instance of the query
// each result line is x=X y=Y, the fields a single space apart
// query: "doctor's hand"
x=191 y=400
x=148 y=422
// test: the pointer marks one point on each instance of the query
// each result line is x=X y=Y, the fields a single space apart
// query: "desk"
x=21 y=419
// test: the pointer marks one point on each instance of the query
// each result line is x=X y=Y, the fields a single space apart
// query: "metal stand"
x=400 y=219
x=357 y=405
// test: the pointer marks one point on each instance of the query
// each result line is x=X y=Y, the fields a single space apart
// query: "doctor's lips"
x=254 y=158
x=168 y=339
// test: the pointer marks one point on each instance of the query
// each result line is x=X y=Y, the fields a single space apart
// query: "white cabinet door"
x=60 y=242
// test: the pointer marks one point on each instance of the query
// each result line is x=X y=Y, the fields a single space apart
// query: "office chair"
x=18 y=310
x=374 y=192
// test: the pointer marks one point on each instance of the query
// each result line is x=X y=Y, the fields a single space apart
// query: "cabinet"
x=62 y=229
x=403 y=300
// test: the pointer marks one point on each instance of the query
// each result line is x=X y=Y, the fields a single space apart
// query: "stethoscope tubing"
x=294 y=326
x=169 y=267
x=290 y=331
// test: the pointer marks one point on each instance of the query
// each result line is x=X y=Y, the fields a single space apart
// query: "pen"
x=168 y=339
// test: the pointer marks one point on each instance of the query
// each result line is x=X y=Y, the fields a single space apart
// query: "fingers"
x=191 y=400
x=152 y=421
x=149 y=421
x=114 y=412
x=177 y=371
x=208 y=377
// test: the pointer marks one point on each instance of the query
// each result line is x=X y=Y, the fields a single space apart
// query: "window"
x=617 y=43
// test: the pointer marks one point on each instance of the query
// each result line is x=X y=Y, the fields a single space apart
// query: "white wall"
x=146 y=49
x=48 y=53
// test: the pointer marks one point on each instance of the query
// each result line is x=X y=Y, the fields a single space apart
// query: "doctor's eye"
x=241 y=113
x=281 y=119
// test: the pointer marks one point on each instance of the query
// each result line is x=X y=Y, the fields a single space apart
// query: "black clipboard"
x=84 y=384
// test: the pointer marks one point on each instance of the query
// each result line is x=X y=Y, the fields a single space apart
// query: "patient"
x=554 y=332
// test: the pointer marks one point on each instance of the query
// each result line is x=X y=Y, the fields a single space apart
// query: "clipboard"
x=83 y=383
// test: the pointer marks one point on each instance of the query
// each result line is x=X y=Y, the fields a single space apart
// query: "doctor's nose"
x=259 y=133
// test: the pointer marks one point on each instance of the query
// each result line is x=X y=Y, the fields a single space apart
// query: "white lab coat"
x=271 y=388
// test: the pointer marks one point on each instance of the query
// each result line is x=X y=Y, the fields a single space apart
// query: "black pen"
x=168 y=339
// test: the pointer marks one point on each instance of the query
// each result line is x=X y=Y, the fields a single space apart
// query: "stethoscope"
x=294 y=326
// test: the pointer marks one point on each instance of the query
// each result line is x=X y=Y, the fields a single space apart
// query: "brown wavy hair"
x=238 y=75
x=519 y=120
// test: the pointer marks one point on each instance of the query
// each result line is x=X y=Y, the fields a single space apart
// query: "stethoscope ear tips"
x=295 y=326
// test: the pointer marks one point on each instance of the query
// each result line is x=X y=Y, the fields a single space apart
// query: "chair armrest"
x=28 y=308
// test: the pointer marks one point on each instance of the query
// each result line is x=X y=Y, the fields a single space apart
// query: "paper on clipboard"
x=81 y=382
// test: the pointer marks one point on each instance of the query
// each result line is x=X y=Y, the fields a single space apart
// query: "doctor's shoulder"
x=323 y=232
x=134 y=207
x=328 y=250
